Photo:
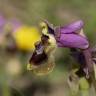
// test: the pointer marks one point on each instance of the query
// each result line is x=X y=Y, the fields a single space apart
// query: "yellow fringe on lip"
x=31 y=67
x=43 y=69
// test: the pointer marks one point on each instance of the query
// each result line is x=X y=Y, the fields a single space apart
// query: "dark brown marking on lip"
x=38 y=59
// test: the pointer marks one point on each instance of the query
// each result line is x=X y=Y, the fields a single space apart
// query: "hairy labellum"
x=38 y=59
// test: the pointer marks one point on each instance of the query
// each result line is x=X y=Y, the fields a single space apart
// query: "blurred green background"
x=15 y=80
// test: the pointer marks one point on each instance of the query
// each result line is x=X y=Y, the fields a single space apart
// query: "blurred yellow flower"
x=25 y=37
